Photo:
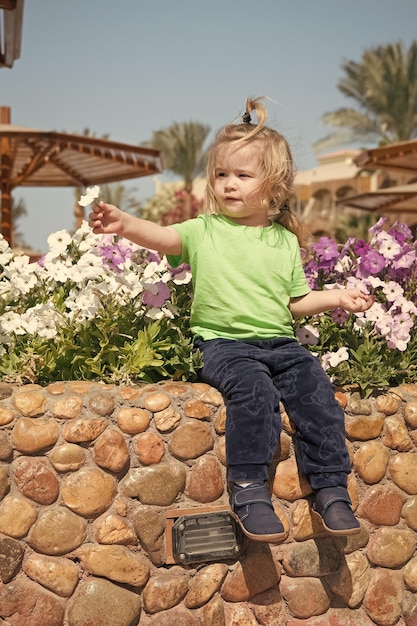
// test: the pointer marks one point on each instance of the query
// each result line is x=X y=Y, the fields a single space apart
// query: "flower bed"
x=377 y=348
x=94 y=307
x=100 y=308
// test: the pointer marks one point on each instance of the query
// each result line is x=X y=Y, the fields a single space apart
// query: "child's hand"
x=105 y=218
x=355 y=301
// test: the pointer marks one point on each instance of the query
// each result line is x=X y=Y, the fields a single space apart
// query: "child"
x=248 y=282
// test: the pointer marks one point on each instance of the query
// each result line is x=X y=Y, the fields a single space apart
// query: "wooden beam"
x=8 y=5
x=12 y=19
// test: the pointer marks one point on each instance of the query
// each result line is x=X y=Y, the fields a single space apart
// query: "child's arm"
x=108 y=219
x=352 y=300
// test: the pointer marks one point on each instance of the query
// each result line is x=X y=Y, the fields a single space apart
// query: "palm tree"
x=182 y=150
x=384 y=86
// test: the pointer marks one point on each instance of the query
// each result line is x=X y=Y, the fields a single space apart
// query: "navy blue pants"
x=254 y=377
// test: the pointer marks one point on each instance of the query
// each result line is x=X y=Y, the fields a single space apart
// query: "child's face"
x=238 y=184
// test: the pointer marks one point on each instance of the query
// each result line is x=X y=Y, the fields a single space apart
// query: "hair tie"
x=285 y=207
x=246 y=118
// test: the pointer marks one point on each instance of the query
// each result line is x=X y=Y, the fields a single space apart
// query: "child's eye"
x=220 y=174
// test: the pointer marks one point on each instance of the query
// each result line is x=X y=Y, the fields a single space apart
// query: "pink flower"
x=308 y=335
x=340 y=316
x=155 y=294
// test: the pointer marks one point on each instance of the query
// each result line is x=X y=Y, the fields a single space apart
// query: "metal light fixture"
x=196 y=536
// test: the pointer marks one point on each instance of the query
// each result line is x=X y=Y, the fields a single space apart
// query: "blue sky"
x=130 y=67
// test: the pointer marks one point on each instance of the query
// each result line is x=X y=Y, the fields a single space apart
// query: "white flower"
x=343 y=265
x=58 y=242
x=388 y=246
x=89 y=267
x=41 y=320
x=182 y=278
x=13 y=323
x=157 y=314
x=375 y=282
x=5 y=256
x=151 y=271
x=8 y=290
x=85 y=238
x=18 y=264
x=84 y=305
x=57 y=268
x=91 y=194
x=393 y=291
x=3 y=244
x=21 y=274
x=332 y=359
x=25 y=282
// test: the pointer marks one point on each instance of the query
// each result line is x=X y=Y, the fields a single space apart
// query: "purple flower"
x=401 y=232
x=405 y=259
x=360 y=247
x=370 y=264
x=347 y=247
x=339 y=316
x=376 y=228
x=114 y=253
x=308 y=334
x=153 y=257
x=155 y=294
x=178 y=270
x=326 y=249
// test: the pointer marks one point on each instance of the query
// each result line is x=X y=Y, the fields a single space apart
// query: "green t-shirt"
x=243 y=277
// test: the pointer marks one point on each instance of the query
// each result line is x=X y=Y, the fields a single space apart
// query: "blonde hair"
x=276 y=161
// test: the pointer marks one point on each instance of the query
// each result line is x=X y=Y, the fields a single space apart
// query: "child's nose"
x=229 y=183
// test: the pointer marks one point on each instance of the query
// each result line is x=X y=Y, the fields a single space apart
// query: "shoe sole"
x=271 y=538
x=338 y=533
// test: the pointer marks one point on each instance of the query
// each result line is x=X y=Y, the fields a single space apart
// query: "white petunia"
x=151 y=271
x=182 y=278
x=25 y=282
x=332 y=359
x=3 y=244
x=91 y=193
x=41 y=320
x=85 y=238
x=83 y=306
x=5 y=256
x=89 y=267
x=18 y=264
x=58 y=242
x=13 y=323
x=57 y=268
x=156 y=314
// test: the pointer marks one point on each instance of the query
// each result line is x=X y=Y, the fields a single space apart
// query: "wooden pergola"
x=397 y=157
x=401 y=199
x=37 y=158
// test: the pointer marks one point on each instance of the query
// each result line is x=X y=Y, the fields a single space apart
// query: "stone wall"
x=93 y=476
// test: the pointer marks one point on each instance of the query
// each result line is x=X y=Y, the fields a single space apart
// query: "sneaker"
x=253 y=511
x=334 y=507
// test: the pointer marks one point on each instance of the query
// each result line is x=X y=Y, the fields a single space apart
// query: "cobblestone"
x=91 y=476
